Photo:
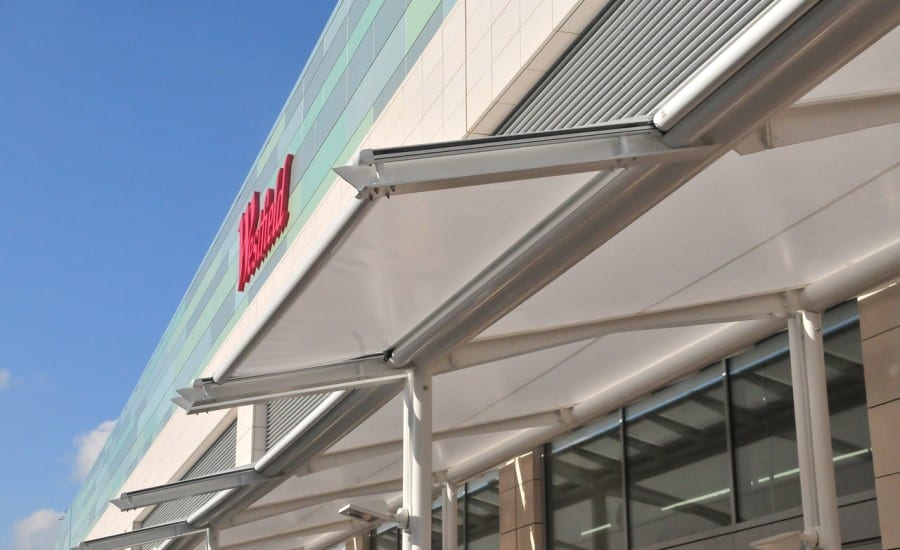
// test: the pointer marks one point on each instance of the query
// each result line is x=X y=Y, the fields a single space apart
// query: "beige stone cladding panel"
x=522 y=503
x=880 y=327
x=510 y=46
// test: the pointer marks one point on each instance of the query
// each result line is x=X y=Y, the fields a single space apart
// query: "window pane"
x=763 y=416
x=437 y=538
x=765 y=440
x=483 y=514
x=586 y=492
x=847 y=401
x=386 y=540
x=678 y=480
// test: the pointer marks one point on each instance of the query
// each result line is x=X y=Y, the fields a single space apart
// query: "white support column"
x=212 y=539
x=819 y=495
x=448 y=516
x=820 y=422
x=804 y=430
x=417 y=485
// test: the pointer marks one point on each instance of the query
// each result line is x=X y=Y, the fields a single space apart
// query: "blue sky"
x=126 y=130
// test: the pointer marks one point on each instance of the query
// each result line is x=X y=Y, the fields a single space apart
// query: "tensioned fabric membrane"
x=744 y=226
x=784 y=218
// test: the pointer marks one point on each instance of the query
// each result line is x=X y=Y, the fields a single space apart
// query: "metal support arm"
x=206 y=395
x=188 y=488
x=508 y=158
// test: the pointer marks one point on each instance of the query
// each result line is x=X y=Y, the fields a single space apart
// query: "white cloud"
x=37 y=531
x=5 y=378
x=88 y=448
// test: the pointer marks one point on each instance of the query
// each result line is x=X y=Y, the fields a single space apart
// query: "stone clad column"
x=522 y=503
x=879 y=316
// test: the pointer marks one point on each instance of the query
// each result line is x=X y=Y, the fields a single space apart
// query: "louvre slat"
x=220 y=456
x=282 y=415
x=630 y=60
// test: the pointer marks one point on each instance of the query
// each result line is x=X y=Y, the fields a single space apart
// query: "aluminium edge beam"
x=495 y=348
x=188 y=488
x=141 y=536
x=508 y=158
x=206 y=395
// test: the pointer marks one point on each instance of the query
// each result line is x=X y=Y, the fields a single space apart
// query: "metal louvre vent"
x=220 y=456
x=284 y=414
x=629 y=60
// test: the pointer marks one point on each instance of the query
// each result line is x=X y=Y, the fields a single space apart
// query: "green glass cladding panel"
x=339 y=94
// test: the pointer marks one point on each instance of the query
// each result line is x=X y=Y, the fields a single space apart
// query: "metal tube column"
x=819 y=494
x=449 y=516
x=417 y=460
x=804 y=430
x=212 y=539
x=820 y=423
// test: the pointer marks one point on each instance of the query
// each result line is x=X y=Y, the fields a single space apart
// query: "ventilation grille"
x=218 y=458
x=629 y=60
x=282 y=415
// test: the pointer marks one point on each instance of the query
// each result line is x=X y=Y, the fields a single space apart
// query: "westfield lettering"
x=259 y=229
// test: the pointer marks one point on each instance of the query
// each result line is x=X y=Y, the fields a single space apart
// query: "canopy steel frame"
x=873 y=270
x=350 y=456
x=187 y=488
x=813 y=421
x=293 y=534
x=205 y=394
x=336 y=459
x=417 y=460
x=273 y=509
x=449 y=515
x=250 y=476
x=496 y=159
x=823 y=118
x=141 y=536
x=495 y=348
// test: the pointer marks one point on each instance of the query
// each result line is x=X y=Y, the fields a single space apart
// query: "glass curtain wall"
x=762 y=410
x=586 y=495
x=483 y=513
x=386 y=538
x=847 y=402
x=676 y=452
x=478 y=517
x=713 y=450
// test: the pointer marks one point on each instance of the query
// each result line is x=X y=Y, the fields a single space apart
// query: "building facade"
x=603 y=229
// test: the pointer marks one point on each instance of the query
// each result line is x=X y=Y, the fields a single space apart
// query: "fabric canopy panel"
x=407 y=255
x=773 y=220
x=763 y=222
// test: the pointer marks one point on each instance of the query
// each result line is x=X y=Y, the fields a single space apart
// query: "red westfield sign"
x=259 y=229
